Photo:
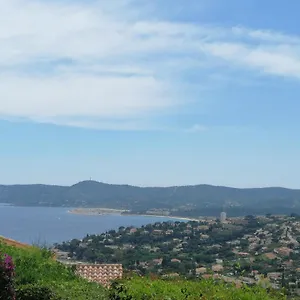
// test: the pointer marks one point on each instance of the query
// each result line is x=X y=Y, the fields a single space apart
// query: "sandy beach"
x=106 y=211
x=96 y=211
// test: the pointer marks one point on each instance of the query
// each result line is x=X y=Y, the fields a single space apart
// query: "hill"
x=178 y=200
x=37 y=276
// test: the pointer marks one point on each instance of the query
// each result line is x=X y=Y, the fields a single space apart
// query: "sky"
x=150 y=93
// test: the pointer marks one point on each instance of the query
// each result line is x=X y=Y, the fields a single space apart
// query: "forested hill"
x=181 y=200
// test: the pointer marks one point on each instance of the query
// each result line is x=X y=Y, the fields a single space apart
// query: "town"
x=253 y=250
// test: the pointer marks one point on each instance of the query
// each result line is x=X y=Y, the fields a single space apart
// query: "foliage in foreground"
x=6 y=277
x=147 y=289
x=38 y=276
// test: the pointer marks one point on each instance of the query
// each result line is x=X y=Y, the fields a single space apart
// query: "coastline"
x=110 y=211
x=96 y=211
x=161 y=216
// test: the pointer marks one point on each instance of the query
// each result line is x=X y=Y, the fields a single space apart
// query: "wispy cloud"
x=280 y=60
x=196 y=128
x=64 y=60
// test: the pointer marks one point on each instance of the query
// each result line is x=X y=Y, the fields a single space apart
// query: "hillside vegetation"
x=37 y=273
x=39 y=277
x=158 y=289
x=181 y=201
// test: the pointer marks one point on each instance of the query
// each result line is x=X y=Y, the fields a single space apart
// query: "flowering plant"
x=6 y=277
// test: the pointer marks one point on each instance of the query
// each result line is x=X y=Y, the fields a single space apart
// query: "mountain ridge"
x=152 y=186
x=189 y=200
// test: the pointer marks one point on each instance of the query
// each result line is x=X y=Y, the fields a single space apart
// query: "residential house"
x=100 y=273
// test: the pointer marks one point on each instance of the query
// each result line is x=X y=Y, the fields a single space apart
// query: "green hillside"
x=157 y=289
x=39 y=277
x=37 y=273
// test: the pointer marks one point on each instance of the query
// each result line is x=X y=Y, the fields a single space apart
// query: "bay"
x=49 y=225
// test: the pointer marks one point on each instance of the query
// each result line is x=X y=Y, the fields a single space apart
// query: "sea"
x=49 y=225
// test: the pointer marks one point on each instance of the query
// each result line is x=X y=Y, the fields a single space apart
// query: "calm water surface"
x=52 y=225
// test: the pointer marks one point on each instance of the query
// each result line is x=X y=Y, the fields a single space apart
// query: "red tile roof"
x=100 y=273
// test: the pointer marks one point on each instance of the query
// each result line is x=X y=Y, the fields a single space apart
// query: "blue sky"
x=150 y=92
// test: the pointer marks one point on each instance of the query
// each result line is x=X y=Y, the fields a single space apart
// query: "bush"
x=35 y=292
x=39 y=276
x=179 y=289
x=6 y=277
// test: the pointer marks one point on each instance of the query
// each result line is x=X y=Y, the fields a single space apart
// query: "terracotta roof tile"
x=100 y=273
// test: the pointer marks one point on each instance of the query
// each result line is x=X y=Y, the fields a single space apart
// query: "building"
x=217 y=268
x=100 y=273
x=132 y=230
x=201 y=270
x=223 y=217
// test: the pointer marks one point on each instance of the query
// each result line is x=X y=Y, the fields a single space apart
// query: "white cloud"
x=276 y=60
x=64 y=60
x=81 y=96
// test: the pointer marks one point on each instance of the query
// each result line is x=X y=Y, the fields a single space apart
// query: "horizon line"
x=149 y=186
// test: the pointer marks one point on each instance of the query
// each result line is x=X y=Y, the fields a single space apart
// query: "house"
x=204 y=236
x=283 y=251
x=175 y=260
x=176 y=240
x=132 y=230
x=100 y=273
x=288 y=264
x=274 y=275
x=157 y=261
x=243 y=254
x=112 y=246
x=61 y=255
x=247 y=280
x=217 y=268
x=234 y=243
x=270 y=255
x=154 y=249
x=203 y=227
x=83 y=245
x=216 y=246
x=201 y=270
x=169 y=232
x=128 y=246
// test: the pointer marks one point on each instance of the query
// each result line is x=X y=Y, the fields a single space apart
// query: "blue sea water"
x=48 y=225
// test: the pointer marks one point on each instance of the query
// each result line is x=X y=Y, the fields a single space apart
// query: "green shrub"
x=147 y=289
x=36 y=292
x=37 y=273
